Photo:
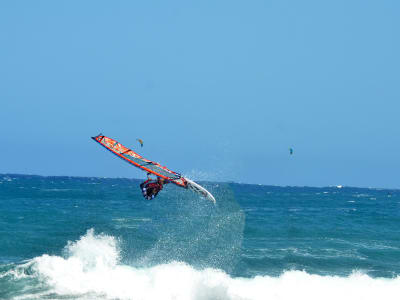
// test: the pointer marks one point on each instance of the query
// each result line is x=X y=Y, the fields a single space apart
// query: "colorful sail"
x=137 y=160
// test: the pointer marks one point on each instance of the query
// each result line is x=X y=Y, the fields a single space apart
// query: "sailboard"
x=149 y=166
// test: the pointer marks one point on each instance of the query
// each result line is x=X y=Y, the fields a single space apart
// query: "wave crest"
x=91 y=269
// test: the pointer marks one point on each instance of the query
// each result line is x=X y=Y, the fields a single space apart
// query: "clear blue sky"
x=216 y=89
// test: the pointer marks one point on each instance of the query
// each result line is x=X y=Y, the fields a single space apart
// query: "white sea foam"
x=56 y=190
x=91 y=269
x=16 y=273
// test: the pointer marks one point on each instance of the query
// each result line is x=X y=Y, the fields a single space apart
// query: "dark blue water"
x=97 y=238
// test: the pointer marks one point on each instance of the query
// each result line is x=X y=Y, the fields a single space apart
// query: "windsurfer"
x=151 y=187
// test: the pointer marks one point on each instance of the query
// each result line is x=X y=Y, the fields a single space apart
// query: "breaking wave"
x=91 y=268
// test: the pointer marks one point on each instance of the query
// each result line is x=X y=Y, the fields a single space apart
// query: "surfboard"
x=201 y=190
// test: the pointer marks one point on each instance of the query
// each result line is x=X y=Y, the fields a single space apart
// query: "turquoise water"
x=98 y=238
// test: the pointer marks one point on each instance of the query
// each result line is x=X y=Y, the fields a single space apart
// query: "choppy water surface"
x=96 y=238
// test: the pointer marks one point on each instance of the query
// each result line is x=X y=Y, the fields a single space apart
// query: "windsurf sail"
x=137 y=160
x=149 y=166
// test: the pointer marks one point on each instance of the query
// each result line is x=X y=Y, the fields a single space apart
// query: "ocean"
x=98 y=238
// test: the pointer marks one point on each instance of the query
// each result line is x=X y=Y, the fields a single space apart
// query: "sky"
x=218 y=90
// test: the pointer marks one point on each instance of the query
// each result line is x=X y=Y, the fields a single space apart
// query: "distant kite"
x=291 y=151
x=140 y=141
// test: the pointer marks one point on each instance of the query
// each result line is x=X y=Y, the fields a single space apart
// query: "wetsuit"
x=150 y=188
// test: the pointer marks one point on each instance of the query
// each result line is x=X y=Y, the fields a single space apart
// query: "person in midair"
x=151 y=187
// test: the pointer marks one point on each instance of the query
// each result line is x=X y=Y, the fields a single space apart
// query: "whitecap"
x=92 y=269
